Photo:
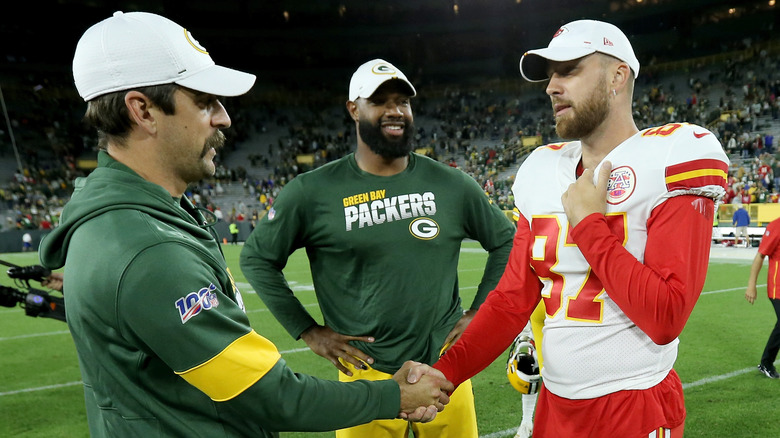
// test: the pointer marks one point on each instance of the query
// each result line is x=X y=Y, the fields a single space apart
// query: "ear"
x=138 y=108
x=352 y=109
x=621 y=76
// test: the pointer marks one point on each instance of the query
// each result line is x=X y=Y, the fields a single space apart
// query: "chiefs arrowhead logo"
x=621 y=185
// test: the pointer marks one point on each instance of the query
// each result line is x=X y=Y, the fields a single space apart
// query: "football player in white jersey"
x=614 y=235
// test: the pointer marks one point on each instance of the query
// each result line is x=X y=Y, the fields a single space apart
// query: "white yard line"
x=35 y=335
x=40 y=388
x=503 y=433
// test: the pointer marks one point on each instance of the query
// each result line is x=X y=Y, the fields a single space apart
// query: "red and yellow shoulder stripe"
x=555 y=146
x=697 y=173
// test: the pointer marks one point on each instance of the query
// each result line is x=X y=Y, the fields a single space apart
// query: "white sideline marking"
x=296 y=350
x=40 y=388
x=244 y=287
x=508 y=432
x=266 y=310
x=719 y=291
x=707 y=380
x=35 y=335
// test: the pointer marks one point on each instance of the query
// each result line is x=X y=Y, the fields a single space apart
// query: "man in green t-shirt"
x=382 y=228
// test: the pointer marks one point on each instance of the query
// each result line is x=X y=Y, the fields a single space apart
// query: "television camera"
x=35 y=302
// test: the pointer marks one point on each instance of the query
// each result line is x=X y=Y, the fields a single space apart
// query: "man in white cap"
x=164 y=344
x=615 y=239
x=382 y=228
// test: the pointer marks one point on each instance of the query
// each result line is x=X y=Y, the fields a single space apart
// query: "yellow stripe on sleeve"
x=695 y=174
x=242 y=363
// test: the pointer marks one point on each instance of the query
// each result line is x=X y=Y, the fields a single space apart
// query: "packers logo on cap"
x=194 y=43
x=383 y=69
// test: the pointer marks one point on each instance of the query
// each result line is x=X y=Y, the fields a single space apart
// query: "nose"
x=220 y=118
x=553 y=86
x=393 y=109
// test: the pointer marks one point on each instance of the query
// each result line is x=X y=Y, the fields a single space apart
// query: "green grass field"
x=41 y=396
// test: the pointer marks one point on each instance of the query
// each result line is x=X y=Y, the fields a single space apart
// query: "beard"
x=586 y=116
x=380 y=144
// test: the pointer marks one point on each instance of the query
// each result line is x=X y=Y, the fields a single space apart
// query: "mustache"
x=216 y=141
x=395 y=119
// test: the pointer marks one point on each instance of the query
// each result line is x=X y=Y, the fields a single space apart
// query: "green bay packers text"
x=373 y=208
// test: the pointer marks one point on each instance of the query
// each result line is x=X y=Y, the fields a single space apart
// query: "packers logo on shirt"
x=424 y=228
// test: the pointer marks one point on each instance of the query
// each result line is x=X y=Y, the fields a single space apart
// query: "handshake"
x=424 y=391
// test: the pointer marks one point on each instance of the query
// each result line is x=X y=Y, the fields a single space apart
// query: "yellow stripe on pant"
x=537 y=324
x=457 y=420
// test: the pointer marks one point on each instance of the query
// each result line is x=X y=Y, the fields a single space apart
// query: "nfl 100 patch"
x=195 y=302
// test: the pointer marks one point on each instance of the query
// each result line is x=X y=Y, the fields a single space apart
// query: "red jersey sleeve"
x=659 y=294
x=770 y=239
x=500 y=318
x=770 y=246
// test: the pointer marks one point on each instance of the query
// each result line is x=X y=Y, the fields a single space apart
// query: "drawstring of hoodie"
x=209 y=218
x=207 y=221
x=205 y=218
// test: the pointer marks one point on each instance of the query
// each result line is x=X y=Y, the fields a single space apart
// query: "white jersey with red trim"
x=591 y=348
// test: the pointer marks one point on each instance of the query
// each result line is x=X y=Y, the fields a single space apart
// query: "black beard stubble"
x=372 y=135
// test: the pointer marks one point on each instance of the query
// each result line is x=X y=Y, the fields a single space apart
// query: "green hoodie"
x=164 y=344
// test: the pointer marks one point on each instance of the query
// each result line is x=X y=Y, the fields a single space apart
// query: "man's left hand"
x=456 y=331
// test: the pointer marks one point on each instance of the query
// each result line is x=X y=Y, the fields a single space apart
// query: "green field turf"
x=41 y=396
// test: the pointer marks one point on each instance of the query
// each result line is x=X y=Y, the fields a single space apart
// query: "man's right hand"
x=53 y=281
x=750 y=294
x=421 y=400
x=332 y=346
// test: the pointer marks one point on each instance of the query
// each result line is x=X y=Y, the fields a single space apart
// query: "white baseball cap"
x=139 y=49
x=575 y=40
x=369 y=76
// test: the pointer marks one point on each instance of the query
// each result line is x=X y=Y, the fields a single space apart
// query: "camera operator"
x=36 y=302
x=53 y=281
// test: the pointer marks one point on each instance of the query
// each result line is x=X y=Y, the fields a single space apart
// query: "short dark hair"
x=108 y=113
